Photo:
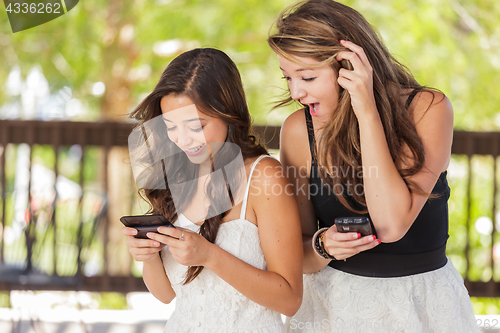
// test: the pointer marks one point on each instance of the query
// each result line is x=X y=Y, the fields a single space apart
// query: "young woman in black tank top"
x=372 y=142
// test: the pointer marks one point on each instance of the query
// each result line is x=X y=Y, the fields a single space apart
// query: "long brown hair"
x=312 y=29
x=211 y=80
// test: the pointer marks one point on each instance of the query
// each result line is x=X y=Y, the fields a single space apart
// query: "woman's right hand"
x=141 y=249
x=344 y=245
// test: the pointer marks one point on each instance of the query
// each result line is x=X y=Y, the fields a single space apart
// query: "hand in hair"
x=359 y=81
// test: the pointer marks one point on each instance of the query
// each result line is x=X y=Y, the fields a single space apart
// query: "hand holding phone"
x=145 y=223
x=360 y=225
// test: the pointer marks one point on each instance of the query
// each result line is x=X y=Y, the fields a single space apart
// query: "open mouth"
x=195 y=150
x=314 y=109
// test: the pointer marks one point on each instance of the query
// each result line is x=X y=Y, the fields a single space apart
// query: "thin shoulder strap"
x=245 y=198
x=411 y=97
x=310 y=133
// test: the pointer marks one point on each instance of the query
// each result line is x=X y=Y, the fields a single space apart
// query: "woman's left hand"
x=188 y=248
x=359 y=81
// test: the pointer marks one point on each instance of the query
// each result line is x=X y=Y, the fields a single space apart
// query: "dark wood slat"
x=494 y=213
x=477 y=143
x=70 y=132
x=468 y=220
x=30 y=230
x=97 y=133
x=4 y=133
x=107 y=142
x=83 y=141
x=483 y=289
x=122 y=284
x=56 y=137
x=464 y=142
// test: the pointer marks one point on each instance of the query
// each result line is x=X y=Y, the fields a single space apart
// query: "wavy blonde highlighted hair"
x=312 y=29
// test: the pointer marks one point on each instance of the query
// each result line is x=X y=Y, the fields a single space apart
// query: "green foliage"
x=5 y=299
x=452 y=45
x=485 y=305
x=112 y=301
x=481 y=205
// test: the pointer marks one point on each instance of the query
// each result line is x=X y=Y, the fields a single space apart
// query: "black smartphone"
x=354 y=224
x=145 y=223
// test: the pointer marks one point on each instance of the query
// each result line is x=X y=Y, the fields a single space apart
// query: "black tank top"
x=421 y=250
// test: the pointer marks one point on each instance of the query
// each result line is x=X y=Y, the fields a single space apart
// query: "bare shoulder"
x=269 y=170
x=294 y=125
x=433 y=116
x=269 y=178
x=432 y=106
x=294 y=141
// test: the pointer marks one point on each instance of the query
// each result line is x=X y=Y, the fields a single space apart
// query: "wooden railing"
x=28 y=267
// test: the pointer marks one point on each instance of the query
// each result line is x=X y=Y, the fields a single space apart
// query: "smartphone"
x=145 y=223
x=354 y=224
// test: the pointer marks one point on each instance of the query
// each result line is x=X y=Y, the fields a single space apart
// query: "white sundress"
x=431 y=302
x=208 y=304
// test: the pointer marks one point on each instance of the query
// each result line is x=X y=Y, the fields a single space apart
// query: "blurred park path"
x=49 y=312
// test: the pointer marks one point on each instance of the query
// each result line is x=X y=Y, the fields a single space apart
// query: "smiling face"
x=313 y=86
x=191 y=130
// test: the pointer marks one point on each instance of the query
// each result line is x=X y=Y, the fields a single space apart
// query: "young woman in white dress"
x=232 y=270
x=375 y=143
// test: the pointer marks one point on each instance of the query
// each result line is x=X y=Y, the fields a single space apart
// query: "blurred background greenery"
x=100 y=59
x=106 y=55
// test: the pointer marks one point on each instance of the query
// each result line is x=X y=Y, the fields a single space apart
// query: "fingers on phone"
x=143 y=243
x=129 y=231
x=369 y=240
x=347 y=236
x=369 y=246
x=171 y=232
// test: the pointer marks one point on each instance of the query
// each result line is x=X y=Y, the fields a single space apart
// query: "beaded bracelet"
x=318 y=246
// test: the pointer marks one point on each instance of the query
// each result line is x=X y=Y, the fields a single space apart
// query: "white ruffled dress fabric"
x=339 y=302
x=208 y=304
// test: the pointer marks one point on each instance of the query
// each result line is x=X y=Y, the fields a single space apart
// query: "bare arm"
x=280 y=287
x=391 y=205
x=157 y=281
x=154 y=275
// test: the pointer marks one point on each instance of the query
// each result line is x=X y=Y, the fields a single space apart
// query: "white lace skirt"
x=431 y=302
